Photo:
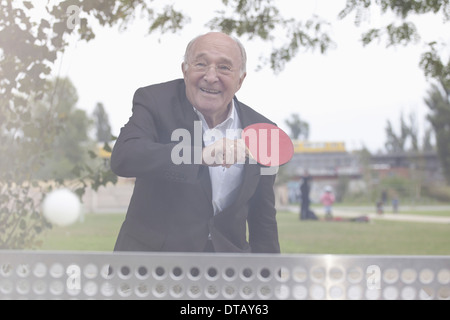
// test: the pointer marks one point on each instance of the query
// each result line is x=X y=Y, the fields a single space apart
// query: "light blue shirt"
x=225 y=182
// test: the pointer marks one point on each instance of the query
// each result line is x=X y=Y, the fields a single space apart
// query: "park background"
x=365 y=118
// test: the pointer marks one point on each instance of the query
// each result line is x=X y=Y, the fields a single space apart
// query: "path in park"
x=353 y=212
x=115 y=199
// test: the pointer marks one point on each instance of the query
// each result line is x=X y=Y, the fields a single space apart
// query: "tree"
x=427 y=144
x=408 y=137
x=405 y=32
x=413 y=131
x=438 y=101
x=298 y=127
x=69 y=146
x=397 y=142
x=48 y=149
x=102 y=125
x=33 y=126
x=262 y=19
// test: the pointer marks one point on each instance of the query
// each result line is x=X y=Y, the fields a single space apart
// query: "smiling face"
x=212 y=74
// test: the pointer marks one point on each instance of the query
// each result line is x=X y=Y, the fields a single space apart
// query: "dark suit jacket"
x=171 y=206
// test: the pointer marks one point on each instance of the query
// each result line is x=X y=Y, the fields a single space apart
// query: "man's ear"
x=241 y=81
x=183 y=69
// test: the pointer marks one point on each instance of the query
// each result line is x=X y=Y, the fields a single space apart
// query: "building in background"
x=330 y=164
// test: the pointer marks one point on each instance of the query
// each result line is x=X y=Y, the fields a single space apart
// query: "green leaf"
x=106 y=147
x=22 y=224
x=92 y=154
x=80 y=191
x=28 y=4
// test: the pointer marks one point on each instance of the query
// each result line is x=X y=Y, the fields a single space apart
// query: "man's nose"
x=211 y=73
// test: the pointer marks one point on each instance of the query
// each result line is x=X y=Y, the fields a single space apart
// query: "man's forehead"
x=207 y=56
x=219 y=42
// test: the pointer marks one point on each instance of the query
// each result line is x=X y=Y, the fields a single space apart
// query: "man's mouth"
x=209 y=91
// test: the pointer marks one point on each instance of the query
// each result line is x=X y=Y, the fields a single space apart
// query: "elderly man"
x=205 y=201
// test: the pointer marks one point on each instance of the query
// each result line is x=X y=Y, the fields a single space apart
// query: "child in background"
x=327 y=199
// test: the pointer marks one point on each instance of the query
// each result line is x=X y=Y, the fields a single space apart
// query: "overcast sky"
x=346 y=95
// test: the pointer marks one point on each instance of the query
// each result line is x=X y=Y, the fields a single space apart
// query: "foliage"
x=34 y=124
x=262 y=19
x=102 y=126
x=298 y=127
x=438 y=101
x=438 y=192
x=342 y=188
x=399 y=187
x=68 y=145
x=47 y=152
x=407 y=139
x=405 y=32
x=397 y=143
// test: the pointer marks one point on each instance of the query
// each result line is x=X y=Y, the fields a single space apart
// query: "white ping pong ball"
x=61 y=207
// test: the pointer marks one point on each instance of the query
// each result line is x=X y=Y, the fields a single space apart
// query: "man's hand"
x=225 y=153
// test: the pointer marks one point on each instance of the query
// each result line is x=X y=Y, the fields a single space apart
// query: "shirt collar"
x=232 y=116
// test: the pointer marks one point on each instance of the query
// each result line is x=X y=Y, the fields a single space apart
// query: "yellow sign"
x=318 y=147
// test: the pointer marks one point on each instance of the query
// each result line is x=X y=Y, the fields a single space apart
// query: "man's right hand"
x=225 y=153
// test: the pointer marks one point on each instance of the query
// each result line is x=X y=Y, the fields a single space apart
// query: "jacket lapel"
x=187 y=116
x=251 y=171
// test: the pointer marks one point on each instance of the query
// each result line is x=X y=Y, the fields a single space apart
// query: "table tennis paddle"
x=267 y=144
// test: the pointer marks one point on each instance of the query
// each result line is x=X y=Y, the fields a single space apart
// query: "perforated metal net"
x=58 y=275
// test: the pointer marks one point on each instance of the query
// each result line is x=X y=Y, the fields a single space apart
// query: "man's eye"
x=224 y=67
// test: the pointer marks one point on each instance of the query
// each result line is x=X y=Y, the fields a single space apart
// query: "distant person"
x=327 y=199
x=305 y=189
x=384 y=197
x=379 y=206
x=395 y=204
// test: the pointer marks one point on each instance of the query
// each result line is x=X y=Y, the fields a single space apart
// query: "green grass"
x=437 y=213
x=440 y=211
x=98 y=232
x=374 y=237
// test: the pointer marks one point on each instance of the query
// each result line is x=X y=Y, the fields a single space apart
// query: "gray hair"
x=236 y=40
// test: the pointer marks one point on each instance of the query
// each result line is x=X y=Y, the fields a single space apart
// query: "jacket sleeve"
x=262 y=223
x=143 y=149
